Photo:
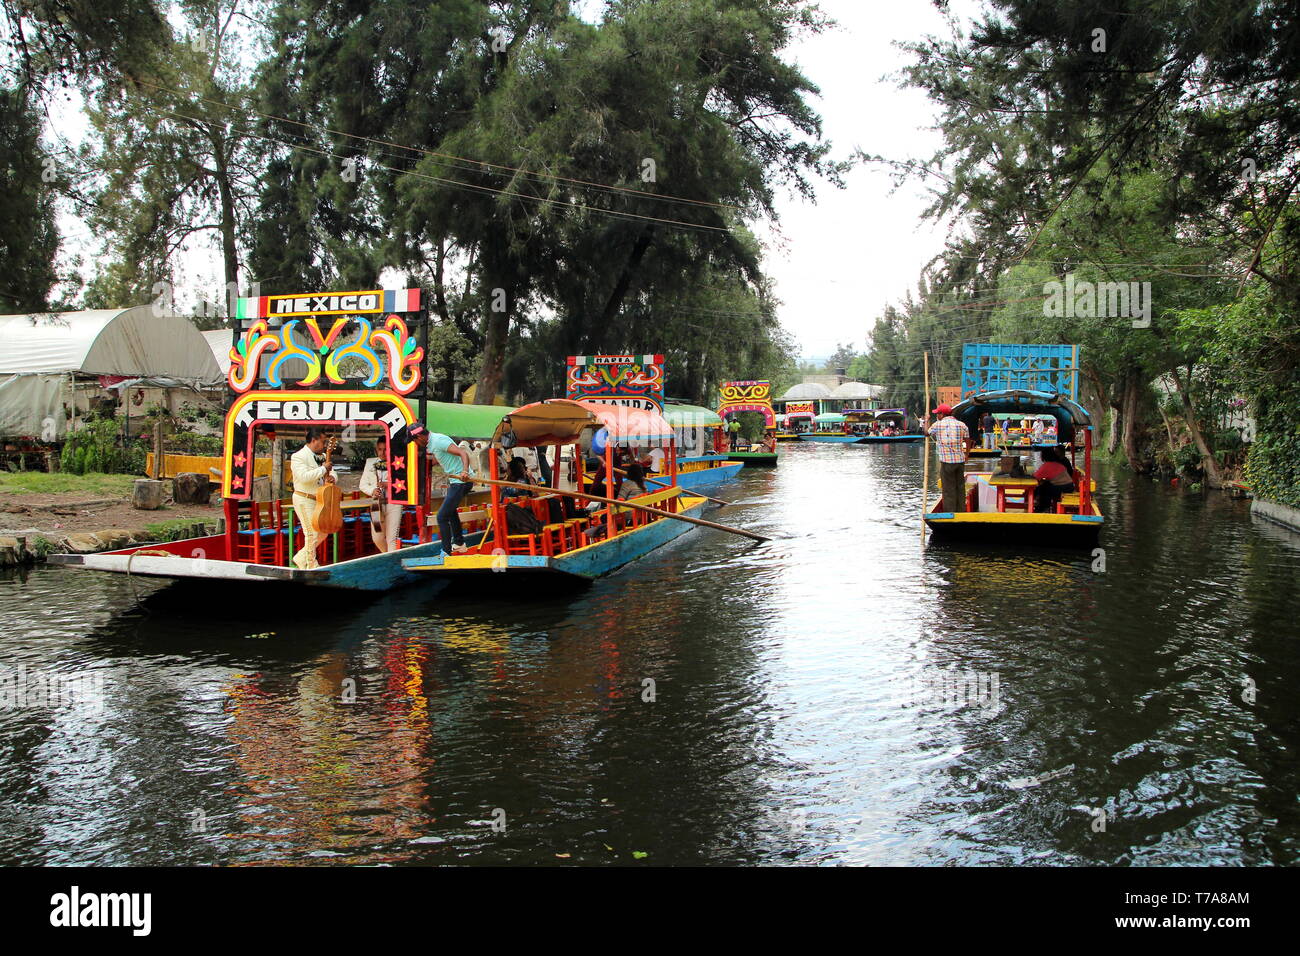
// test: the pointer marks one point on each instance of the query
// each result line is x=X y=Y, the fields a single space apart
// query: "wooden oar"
x=663 y=484
x=625 y=504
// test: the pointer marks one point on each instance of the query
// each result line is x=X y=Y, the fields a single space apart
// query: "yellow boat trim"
x=998 y=517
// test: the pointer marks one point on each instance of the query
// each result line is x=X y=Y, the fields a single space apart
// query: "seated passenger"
x=517 y=471
x=1055 y=478
x=633 y=483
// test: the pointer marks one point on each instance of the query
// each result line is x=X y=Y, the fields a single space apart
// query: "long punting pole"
x=628 y=504
x=664 y=484
x=925 y=449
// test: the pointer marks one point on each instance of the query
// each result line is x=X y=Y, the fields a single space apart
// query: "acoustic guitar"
x=329 y=516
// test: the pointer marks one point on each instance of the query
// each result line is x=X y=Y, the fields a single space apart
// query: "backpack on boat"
x=561 y=509
x=519 y=520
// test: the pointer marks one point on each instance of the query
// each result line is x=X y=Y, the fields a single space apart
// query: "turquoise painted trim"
x=1097 y=519
x=586 y=563
x=832 y=439
x=708 y=477
x=939 y=515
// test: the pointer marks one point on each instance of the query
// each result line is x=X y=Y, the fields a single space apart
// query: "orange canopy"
x=559 y=421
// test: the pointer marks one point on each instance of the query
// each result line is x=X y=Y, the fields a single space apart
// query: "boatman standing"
x=987 y=424
x=309 y=472
x=952 y=438
x=455 y=462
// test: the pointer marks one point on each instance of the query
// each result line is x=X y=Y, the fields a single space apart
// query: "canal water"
x=841 y=695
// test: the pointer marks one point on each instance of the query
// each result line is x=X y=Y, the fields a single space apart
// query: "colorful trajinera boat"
x=797 y=420
x=854 y=426
x=572 y=546
x=287 y=373
x=828 y=428
x=636 y=382
x=697 y=429
x=891 y=427
x=740 y=397
x=1001 y=507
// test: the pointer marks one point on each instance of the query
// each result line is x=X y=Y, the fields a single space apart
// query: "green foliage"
x=96 y=447
x=190 y=443
x=1273 y=462
x=359 y=451
x=554 y=104
x=29 y=237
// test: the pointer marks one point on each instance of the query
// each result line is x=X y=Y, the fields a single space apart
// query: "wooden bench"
x=1068 y=503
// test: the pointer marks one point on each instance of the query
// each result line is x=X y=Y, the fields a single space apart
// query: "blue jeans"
x=449 y=530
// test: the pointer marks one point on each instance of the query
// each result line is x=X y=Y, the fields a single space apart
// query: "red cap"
x=944 y=409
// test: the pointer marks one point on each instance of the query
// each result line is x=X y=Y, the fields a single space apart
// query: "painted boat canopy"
x=891 y=414
x=857 y=415
x=1023 y=402
x=478 y=422
x=560 y=421
x=829 y=418
x=678 y=415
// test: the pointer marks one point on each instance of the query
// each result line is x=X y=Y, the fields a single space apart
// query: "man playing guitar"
x=310 y=471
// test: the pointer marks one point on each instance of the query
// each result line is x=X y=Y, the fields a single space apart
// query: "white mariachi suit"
x=374 y=482
x=307 y=478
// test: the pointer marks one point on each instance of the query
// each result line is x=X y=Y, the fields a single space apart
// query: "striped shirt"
x=950 y=436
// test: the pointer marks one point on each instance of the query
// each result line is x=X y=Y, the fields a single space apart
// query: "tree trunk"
x=277 y=468
x=619 y=292
x=158 y=463
x=1209 y=462
x=229 y=255
x=494 y=355
x=1169 y=429
x=1130 y=405
x=190 y=488
x=147 y=494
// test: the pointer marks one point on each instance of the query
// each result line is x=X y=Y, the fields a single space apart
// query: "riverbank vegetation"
x=559 y=181
x=1148 y=147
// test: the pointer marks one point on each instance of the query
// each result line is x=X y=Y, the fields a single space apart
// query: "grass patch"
x=92 y=485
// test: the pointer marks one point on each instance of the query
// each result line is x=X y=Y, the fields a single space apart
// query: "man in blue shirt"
x=455 y=462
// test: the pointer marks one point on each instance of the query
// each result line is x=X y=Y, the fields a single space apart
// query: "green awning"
x=829 y=418
x=478 y=422
x=678 y=415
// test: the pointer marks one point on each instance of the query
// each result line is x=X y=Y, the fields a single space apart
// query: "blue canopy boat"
x=893 y=420
x=1001 y=508
x=828 y=428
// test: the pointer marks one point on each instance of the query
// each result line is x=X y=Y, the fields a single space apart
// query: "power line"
x=472 y=165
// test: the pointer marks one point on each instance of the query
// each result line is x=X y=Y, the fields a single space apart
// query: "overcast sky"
x=839 y=262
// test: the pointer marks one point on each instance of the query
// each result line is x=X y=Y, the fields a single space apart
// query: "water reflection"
x=716 y=702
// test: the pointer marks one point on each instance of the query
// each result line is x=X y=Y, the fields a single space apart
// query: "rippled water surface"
x=840 y=695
